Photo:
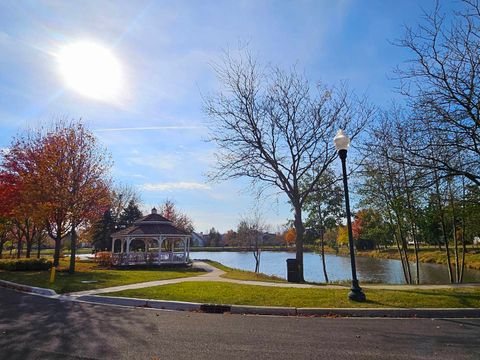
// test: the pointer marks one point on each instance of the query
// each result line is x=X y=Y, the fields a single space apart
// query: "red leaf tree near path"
x=62 y=172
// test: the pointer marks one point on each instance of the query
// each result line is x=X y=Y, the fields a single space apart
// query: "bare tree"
x=273 y=127
x=443 y=84
x=250 y=232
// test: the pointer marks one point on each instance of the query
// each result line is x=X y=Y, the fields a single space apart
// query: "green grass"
x=227 y=293
x=65 y=251
x=237 y=274
x=89 y=271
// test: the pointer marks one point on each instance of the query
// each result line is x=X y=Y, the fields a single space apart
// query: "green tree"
x=324 y=207
x=130 y=214
x=102 y=231
x=214 y=237
x=370 y=229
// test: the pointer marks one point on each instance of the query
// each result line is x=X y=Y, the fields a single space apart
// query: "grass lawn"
x=238 y=274
x=89 y=271
x=227 y=293
x=65 y=251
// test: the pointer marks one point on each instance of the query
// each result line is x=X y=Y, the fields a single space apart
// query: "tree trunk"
x=413 y=228
x=73 y=249
x=322 y=244
x=19 y=248
x=455 y=239
x=2 y=242
x=443 y=227
x=29 y=248
x=404 y=247
x=257 y=260
x=299 y=229
x=464 y=247
x=58 y=248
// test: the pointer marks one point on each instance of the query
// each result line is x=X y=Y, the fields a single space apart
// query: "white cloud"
x=175 y=186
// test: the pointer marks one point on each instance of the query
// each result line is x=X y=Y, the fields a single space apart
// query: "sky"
x=154 y=126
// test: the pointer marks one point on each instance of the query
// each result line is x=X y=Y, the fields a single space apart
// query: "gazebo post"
x=160 y=242
x=113 y=245
x=185 y=242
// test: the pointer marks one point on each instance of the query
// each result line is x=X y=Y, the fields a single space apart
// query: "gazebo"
x=151 y=240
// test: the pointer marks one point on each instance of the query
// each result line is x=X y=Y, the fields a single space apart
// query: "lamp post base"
x=356 y=293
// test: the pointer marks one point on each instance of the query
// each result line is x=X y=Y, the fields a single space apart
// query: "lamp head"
x=341 y=141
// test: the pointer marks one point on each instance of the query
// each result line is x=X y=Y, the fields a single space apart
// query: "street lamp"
x=342 y=142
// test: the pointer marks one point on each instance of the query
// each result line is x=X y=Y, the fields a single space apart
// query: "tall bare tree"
x=274 y=127
x=442 y=83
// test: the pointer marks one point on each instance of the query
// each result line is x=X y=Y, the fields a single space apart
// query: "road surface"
x=33 y=327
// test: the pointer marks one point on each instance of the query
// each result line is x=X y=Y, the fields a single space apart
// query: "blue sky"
x=155 y=130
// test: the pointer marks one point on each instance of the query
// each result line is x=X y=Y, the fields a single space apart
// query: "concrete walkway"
x=215 y=274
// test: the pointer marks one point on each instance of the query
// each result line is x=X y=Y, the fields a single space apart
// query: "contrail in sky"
x=177 y=127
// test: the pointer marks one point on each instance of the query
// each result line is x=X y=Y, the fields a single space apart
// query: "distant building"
x=198 y=239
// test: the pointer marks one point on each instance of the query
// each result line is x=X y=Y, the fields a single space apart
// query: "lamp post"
x=342 y=142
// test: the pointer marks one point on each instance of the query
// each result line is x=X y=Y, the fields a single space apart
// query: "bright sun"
x=91 y=70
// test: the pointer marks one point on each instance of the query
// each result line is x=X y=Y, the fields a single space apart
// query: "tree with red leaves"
x=180 y=220
x=62 y=171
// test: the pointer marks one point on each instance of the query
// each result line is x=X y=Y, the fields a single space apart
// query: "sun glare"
x=91 y=70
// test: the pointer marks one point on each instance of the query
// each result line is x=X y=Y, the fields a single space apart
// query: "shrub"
x=25 y=264
x=104 y=258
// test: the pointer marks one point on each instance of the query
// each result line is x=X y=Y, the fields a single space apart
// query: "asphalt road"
x=33 y=327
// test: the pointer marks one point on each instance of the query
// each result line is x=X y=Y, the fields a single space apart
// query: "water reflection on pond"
x=338 y=267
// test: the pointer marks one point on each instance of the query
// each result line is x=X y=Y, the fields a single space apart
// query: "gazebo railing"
x=137 y=258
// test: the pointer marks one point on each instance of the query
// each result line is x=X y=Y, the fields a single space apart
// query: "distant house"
x=269 y=239
x=198 y=239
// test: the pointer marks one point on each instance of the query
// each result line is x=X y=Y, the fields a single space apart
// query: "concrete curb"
x=254 y=310
x=392 y=312
x=134 y=302
x=263 y=310
x=284 y=311
x=173 y=305
x=110 y=300
x=27 y=289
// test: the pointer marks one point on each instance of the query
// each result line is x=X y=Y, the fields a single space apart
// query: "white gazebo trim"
x=125 y=257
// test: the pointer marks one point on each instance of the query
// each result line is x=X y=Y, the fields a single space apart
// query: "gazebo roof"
x=152 y=224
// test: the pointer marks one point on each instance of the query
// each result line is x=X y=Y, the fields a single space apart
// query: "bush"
x=25 y=264
x=104 y=258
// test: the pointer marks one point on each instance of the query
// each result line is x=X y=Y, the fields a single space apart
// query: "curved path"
x=215 y=274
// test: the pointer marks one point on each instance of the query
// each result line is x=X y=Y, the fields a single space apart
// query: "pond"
x=338 y=267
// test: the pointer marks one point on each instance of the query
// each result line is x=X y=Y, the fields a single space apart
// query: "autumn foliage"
x=54 y=180
x=290 y=236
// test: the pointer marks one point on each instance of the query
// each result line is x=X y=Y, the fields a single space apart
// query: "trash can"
x=292 y=270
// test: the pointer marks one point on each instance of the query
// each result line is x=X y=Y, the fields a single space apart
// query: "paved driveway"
x=33 y=327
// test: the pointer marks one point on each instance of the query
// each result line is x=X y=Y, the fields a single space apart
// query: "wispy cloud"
x=148 y=128
x=175 y=186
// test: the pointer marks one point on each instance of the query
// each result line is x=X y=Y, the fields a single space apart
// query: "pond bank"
x=428 y=256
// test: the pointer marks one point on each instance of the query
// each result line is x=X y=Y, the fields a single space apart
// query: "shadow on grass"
x=94 y=277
